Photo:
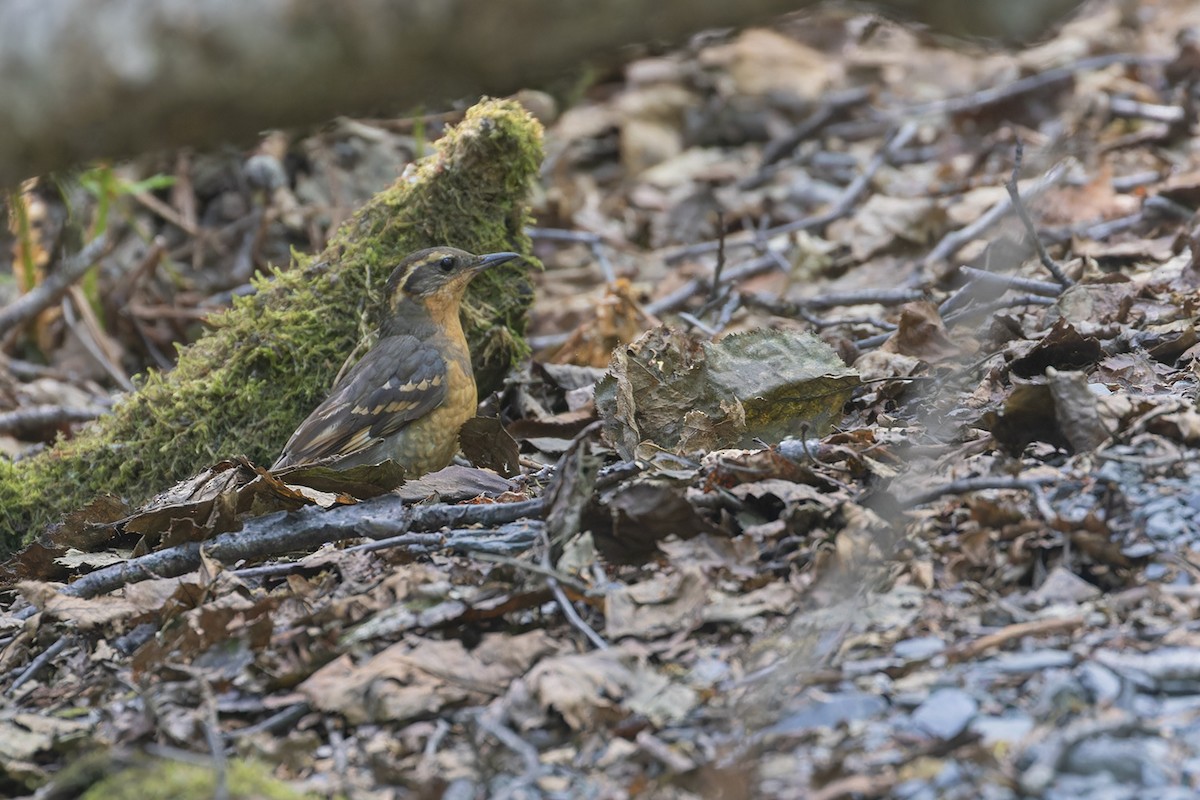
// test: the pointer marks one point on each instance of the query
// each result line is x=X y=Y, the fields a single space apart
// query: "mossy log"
x=243 y=387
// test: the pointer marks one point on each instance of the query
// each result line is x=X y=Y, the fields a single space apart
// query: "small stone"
x=1102 y=682
x=1064 y=586
x=946 y=713
x=919 y=648
x=995 y=730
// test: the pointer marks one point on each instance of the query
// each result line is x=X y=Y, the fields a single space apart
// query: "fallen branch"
x=32 y=421
x=306 y=529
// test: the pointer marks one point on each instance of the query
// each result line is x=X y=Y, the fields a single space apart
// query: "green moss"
x=243 y=387
x=177 y=780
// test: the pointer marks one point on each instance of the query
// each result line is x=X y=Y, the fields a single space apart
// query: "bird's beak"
x=492 y=260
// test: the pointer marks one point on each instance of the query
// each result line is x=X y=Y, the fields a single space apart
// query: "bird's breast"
x=432 y=440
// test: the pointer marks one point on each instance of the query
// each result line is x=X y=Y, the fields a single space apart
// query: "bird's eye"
x=446 y=264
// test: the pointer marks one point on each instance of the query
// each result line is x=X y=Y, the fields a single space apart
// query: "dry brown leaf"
x=922 y=334
x=762 y=61
x=883 y=221
x=661 y=606
x=585 y=689
x=84 y=613
x=421 y=676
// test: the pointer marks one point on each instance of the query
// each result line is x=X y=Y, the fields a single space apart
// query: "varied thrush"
x=409 y=395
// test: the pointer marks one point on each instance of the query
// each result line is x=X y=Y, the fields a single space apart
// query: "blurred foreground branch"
x=83 y=80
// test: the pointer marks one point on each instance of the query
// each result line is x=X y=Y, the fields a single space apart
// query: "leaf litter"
x=828 y=539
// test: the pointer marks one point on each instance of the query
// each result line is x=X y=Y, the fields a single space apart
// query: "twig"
x=536 y=569
x=840 y=208
x=981 y=280
x=341 y=761
x=985 y=278
x=696 y=322
x=564 y=602
x=594 y=242
x=1097 y=231
x=779 y=149
x=1045 y=755
x=489 y=723
x=972 y=312
x=1154 y=208
x=27 y=370
x=32 y=419
x=1127 y=183
x=658 y=749
x=1039 y=627
x=548 y=341
x=1032 y=83
x=307 y=528
x=212 y=735
x=38 y=663
x=1166 y=208
x=873 y=341
x=37 y=300
x=615 y=473
x=167 y=213
x=679 y=297
x=1155 y=112
x=794 y=308
x=716 y=278
x=427 y=767
x=1014 y=192
x=950 y=244
x=87 y=330
x=281 y=720
x=728 y=309
x=968 y=485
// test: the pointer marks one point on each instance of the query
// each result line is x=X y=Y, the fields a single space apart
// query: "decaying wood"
x=84 y=81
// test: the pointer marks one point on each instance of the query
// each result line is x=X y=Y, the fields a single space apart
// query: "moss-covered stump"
x=244 y=386
x=176 y=780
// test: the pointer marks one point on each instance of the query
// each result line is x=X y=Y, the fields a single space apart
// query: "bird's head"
x=436 y=278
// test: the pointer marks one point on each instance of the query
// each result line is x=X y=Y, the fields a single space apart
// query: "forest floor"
x=968 y=570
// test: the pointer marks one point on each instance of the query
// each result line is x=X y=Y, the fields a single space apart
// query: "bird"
x=407 y=398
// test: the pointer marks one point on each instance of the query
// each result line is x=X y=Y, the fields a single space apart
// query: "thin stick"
x=1014 y=192
x=564 y=602
x=678 y=298
x=840 y=208
x=972 y=312
x=46 y=294
x=38 y=663
x=1032 y=83
x=968 y=485
x=982 y=276
x=37 y=418
x=1019 y=630
x=950 y=244
x=87 y=329
x=716 y=278
x=594 y=242
x=981 y=280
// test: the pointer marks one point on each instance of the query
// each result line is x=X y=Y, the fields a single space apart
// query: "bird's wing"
x=398 y=381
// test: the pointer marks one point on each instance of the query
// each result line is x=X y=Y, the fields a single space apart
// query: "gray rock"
x=946 y=713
